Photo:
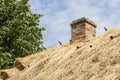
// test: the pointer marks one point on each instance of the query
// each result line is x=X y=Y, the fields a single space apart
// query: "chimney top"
x=83 y=19
x=82 y=29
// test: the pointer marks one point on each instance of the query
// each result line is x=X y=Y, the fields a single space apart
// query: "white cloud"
x=58 y=15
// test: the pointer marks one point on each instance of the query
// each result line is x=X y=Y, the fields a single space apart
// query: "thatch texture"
x=94 y=59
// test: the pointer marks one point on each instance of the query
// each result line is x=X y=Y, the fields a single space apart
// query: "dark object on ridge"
x=111 y=37
x=114 y=36
x=77 y=47
x=43 y=47
x=59 y=42
x=105 y=28
x=90 y=46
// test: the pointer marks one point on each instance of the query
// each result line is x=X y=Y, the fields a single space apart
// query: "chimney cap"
x=84 y=19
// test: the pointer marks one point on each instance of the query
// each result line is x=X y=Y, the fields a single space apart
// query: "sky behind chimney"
x=58 y=14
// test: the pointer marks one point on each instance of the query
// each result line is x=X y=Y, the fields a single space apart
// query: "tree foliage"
x=19 y=31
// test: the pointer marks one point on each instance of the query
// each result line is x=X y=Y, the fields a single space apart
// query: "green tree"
x=19 y=31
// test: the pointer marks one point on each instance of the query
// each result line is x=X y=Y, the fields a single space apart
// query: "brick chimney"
x=82 y=29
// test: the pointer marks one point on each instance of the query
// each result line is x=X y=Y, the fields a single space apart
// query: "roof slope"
x=95 y=59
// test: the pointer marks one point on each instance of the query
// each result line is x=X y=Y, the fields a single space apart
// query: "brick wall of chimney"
x=82 y=29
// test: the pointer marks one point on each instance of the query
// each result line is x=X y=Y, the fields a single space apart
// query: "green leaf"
x=6 y=2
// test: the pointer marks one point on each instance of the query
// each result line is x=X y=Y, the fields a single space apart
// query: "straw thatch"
x=68 y=62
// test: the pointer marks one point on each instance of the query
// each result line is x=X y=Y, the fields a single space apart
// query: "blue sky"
x=58 y=14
